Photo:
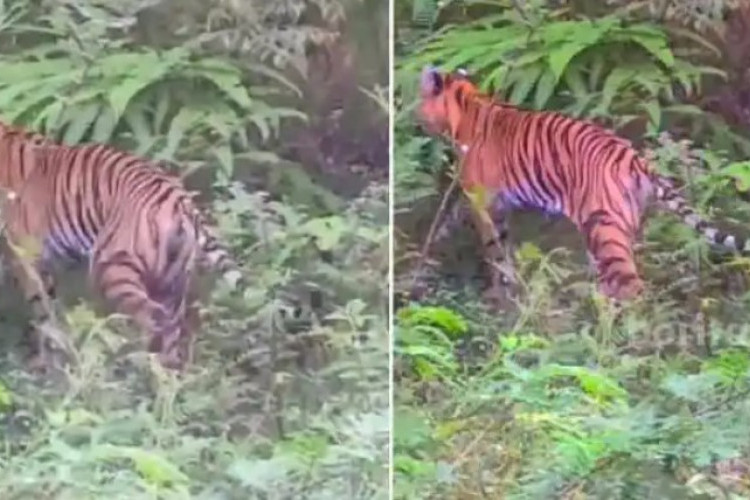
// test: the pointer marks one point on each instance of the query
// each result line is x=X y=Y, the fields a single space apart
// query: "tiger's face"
x=439 y=109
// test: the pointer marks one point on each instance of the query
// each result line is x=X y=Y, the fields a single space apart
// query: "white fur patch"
x=730 y=242
x=710 y=233
x=692 y=220
x=233 y=277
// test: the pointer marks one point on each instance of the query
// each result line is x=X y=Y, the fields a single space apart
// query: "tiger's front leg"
x=27 y=224
x=51 y=345
x=491 y=224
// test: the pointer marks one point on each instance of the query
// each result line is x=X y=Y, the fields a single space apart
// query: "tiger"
x=510 y=157
x=135 y=225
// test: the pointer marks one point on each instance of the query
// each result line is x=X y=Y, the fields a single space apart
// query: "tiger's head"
x=442 y=98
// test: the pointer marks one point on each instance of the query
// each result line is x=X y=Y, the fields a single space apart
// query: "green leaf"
x=544 y=89
x=411 y=430
x=10 y=92
x=258 y=156
x=223 y=154
x=105 y=125
x=153 y=467
x=560 y=57
x=229 y=82
x=596 y=70
x=156 y=469
x=81 y=123
x=6 y=396
x=740 y=173
x=653 y=109
x=262 y=475
x=121 y=94
x=277 y=76
x=451 y=322
x=496 y=77
x=161 y=112
x=574 y=80
x=135 y=117
x=49 y=120
x=656 y=44
x=327 y=231
x=181 y=123
x=526 y=79
x=618 y=78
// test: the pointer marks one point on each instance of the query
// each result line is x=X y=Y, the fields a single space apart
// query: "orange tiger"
x=511 y=157
x=135 y=225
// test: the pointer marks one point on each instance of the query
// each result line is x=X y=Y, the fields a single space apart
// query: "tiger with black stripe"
x=511 y=157
x=137 y=227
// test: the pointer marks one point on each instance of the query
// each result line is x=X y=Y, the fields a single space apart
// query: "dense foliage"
x=561 y=396
x=288 y=394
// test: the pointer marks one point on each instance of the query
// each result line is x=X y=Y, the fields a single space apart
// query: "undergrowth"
x=283 y=400
x=566 y=398
x=561 y=395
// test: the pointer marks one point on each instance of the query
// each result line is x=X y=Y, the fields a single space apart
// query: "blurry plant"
x=711 y=182
x=269 y=407
x=544 y=422
x=697 y=14
x=288 y=396
x=261 y=30
x=423 y=338
x=79 y=85
x=563 y=395
x=379 y=95
x=600 y=68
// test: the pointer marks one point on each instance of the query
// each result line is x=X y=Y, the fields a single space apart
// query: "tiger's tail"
x=215 y=256
x=672 y=201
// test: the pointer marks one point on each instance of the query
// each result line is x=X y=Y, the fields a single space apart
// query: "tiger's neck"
x=17 y=157
x=473 y=114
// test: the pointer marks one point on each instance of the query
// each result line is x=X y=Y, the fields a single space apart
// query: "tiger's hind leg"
x=144 y=263
x=610 y=248
x=159 y=311
x=192 y=325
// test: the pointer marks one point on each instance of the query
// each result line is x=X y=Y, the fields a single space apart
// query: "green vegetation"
x=288 y=394
x=562 y=396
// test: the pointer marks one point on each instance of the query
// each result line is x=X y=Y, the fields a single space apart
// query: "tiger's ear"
x=431 y=82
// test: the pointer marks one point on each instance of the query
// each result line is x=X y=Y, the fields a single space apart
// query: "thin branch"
x=433 y=228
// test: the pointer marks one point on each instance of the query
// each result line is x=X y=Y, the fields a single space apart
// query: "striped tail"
x=670 y=199
x=215 y=256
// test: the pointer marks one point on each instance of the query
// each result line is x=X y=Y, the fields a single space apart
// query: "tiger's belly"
x=527 y=199
x=66 y=248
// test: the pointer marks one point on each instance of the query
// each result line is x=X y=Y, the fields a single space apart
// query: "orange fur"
x=136 y=226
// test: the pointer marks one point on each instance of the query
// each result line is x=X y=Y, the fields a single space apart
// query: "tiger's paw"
x=625 y=291
x=51 y=350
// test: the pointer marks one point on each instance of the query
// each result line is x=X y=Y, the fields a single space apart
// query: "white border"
x=391 y=340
